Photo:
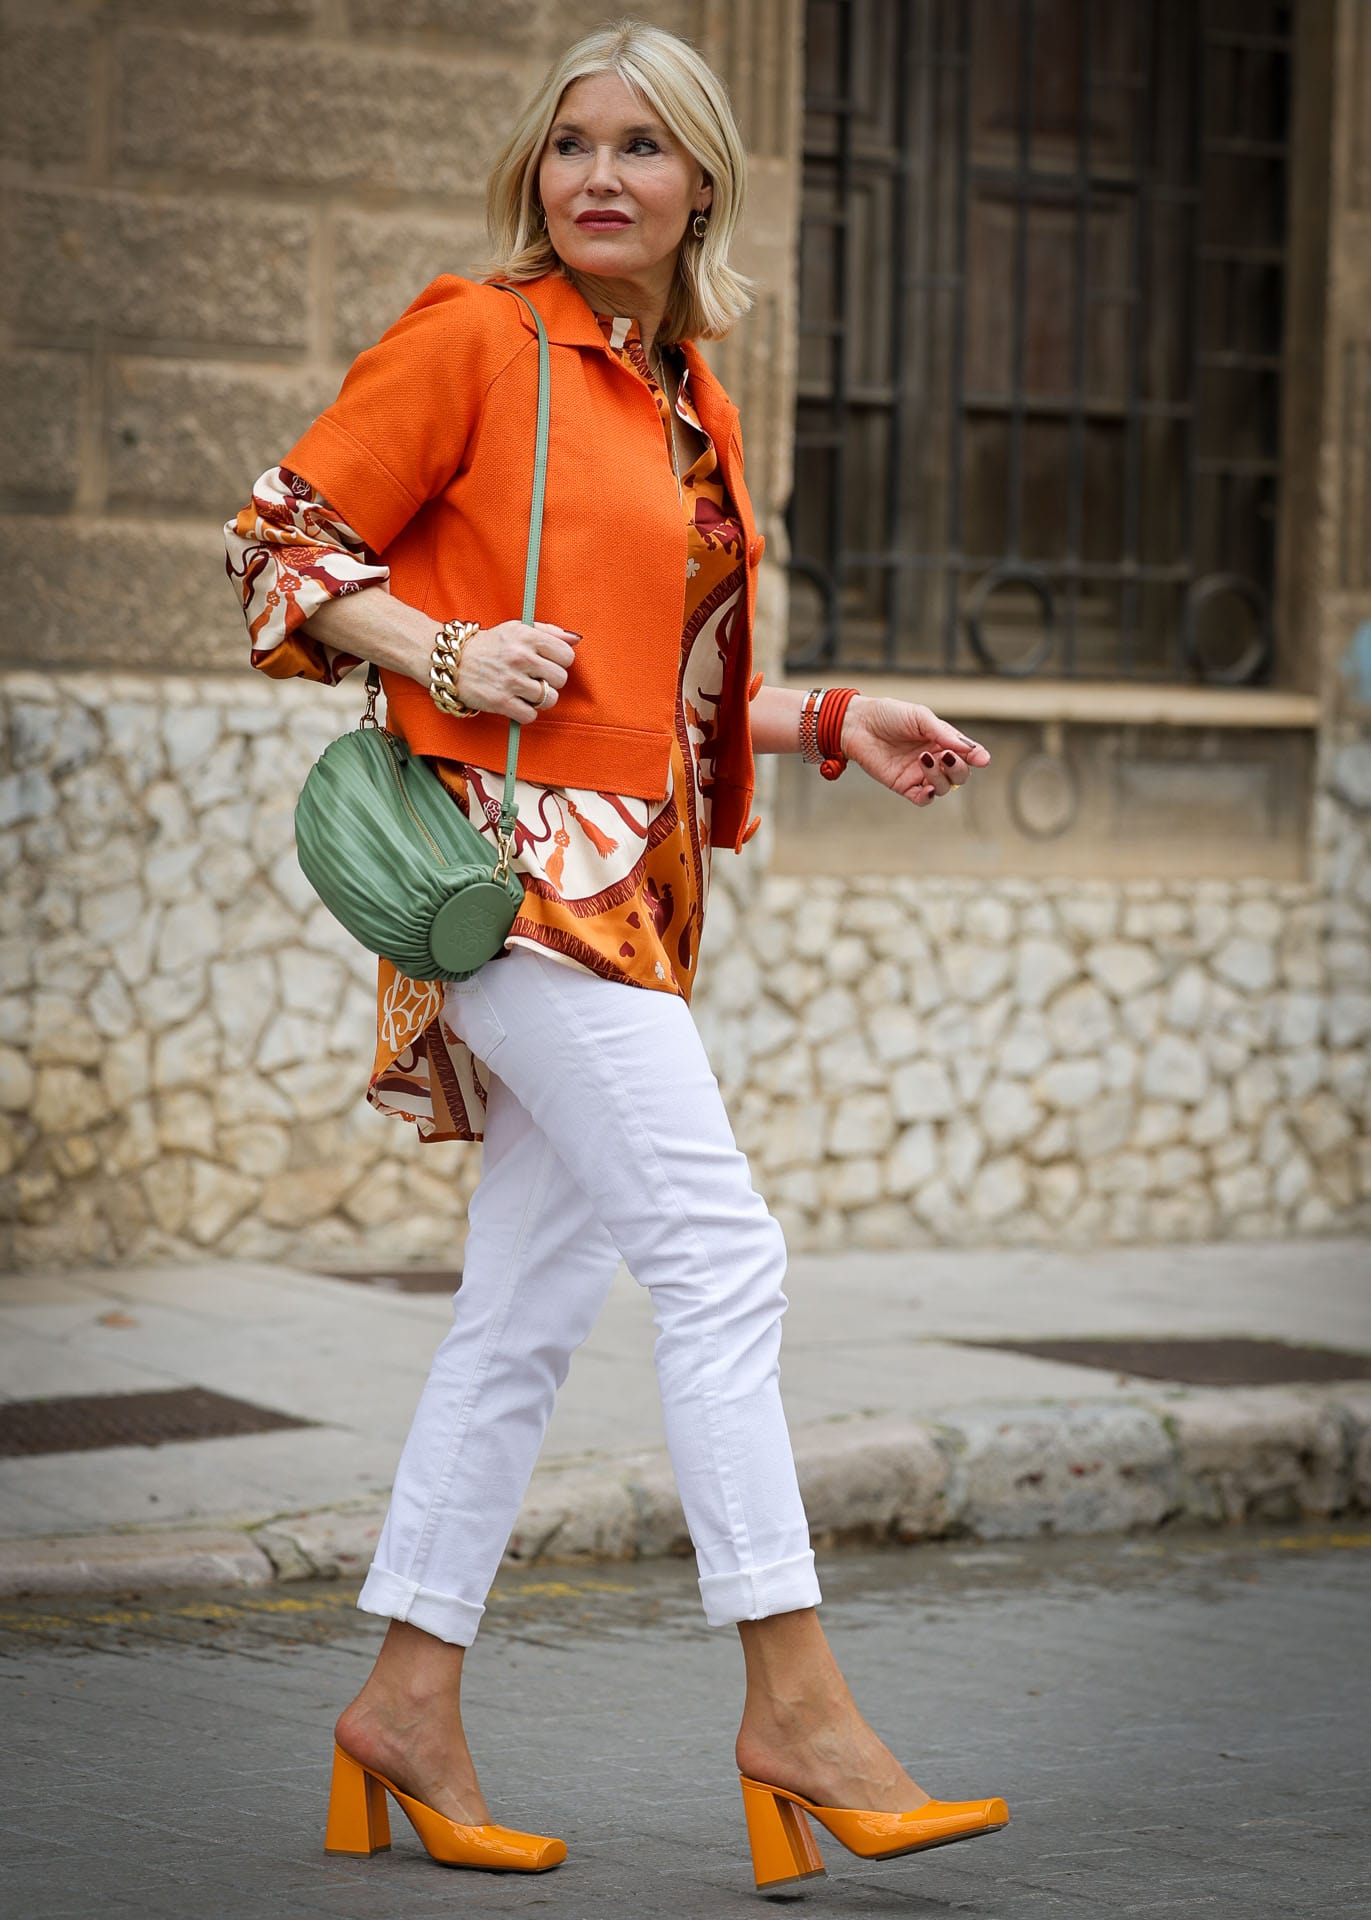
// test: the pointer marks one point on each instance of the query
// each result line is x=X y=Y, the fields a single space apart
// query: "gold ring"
x=541 y=701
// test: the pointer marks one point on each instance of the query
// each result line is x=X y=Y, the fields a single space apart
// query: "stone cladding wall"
x=185 y=1034
x=1011 y=1060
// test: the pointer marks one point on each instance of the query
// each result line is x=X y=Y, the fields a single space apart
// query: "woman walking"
x=393 y=533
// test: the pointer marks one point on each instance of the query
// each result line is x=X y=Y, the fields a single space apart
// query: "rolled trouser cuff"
x=755 y=1594
x=441 y=1614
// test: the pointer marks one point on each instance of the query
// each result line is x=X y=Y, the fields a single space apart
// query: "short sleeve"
x=398 y=430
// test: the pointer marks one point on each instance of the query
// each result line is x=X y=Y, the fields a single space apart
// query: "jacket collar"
x=706 y=388
x=570 y=323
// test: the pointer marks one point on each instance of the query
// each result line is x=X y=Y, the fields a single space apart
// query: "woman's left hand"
x=909 y=749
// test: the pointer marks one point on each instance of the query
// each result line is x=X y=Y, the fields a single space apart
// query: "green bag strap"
x=509 y=813
x=508 y=810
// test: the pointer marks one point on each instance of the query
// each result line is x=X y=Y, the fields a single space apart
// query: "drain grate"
x=87 y=1422
x=402 y=1279
x=1216 y=1362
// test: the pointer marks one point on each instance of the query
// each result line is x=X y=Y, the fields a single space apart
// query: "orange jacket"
x=427 y=453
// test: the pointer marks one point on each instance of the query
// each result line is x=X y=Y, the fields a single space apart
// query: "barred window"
x=1041 y=315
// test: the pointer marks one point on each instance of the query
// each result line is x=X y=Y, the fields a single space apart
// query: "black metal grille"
x=1041 y=316
x=87 y=1422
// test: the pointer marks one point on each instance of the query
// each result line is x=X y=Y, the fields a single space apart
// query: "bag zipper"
x=409 y=804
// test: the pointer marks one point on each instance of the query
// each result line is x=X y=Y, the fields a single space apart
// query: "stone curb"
x=1219 y=1456
x=117 y=1562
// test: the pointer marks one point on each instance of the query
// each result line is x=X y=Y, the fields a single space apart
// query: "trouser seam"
x=494 y=1332
x=714 y=1413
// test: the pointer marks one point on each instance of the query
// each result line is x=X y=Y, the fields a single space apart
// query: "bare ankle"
x=423 y=1753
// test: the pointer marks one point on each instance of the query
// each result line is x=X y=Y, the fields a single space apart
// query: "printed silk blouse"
x=614 y=885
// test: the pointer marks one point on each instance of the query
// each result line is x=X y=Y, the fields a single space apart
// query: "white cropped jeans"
x=605 y=1135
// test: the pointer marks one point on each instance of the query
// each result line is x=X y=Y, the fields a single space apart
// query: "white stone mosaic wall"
x=185 y=1034
x=1053 y=1061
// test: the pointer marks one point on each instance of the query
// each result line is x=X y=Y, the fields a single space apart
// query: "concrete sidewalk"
x=902 y=1431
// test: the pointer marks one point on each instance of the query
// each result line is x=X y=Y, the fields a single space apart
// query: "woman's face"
x=618 y=188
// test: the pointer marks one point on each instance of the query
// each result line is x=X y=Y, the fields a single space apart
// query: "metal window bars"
x=1042 y=285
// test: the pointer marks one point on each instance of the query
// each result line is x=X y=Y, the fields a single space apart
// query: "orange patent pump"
x=359 y=1823
x=783 y=1846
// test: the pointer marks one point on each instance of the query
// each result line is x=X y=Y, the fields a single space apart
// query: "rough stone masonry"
x=186 y=1034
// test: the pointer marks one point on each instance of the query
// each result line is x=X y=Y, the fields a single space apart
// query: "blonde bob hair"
x=707 y=295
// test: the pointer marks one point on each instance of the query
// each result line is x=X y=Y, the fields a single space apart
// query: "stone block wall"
x=208 y=212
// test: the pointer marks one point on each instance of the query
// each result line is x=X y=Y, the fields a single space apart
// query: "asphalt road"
x=1180 y=1727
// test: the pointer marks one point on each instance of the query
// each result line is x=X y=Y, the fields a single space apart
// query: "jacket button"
x=750 y=831
x=756 y=550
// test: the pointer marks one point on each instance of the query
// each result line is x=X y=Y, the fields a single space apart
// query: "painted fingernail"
x=927 y=759
x=949 y=759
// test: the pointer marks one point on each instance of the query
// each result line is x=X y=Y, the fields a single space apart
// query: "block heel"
x=358 y=1818
x=783 y=1848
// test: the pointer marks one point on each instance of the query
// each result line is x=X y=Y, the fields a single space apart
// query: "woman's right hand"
x=502 y=667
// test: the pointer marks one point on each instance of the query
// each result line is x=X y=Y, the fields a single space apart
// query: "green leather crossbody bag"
x=385 y=845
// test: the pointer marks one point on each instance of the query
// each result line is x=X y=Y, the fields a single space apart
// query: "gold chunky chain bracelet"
x=444 y=664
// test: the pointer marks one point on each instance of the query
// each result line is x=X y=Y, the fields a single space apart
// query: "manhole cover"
x=85 y=1422
x=400 y=1280
x=1199 y=1363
